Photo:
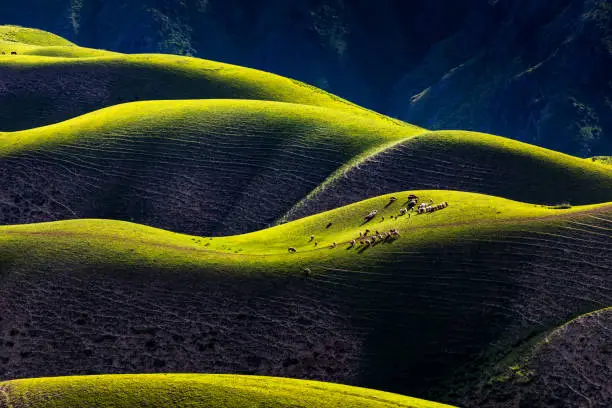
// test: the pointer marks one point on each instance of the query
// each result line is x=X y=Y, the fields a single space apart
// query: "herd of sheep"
x=366 y=238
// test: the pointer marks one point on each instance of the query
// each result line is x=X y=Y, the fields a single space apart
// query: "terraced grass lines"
x=572 y=361
x=55 y=83
x=206 y=166
x=465 y=161
x=243 y=304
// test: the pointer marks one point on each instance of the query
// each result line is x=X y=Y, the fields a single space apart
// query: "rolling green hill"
x=422 y=315
x=193 y=390
x=204 y=166
x=31 y=36
x=218 y=167
x=430 y=310
x=51 y=80
x=466 y=161
x=605 y=160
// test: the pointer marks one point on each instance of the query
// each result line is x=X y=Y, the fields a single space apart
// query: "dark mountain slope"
x=569 y=366
x=533 y=70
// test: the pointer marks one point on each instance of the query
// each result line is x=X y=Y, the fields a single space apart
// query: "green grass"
x=167 y=120
x=31 y=36
x=108 y=242
x=499 y=166
x=605 y=160
x=59 y=51
x=195 y=390
x=469 y=266
x=146 y=77
x=191 y=156
x=267 y=148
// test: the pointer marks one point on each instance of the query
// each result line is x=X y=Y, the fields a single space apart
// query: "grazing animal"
x=307 y=272
x=392 y=199
x=312 y=238
x=360 y=234
x=13 y=52
x=402 y=211
x=366 y=232
x=316 y=243
x=371 y=215
x=368 y=242
x=412 y=203
x=291 y=249
x=431 y=201
x=412 y=197
x=382 y=218
x=333 y=245
x=352 y=242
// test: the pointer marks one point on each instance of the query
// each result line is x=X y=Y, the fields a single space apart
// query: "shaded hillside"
x=569 y=366
x=537 y=71
x=202 y=167
x=221 y=167
x=422 y=315
x=464 y=161
x=194 y=391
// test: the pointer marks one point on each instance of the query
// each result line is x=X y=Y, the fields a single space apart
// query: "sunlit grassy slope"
x=201 y=166
x=195 y=390
x=52 y=80
x=110 y=242
x=466 y=161
x=233 y=166
x=31 y=36
x=606 y=160
x=472 y=279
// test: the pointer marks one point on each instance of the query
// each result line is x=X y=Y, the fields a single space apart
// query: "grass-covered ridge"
x=51 y=81
x=18 y=41
x=195 y=390
x=605 y=160
x=198 y=166
x=31 y=36
x=467 y=161
x=270 y=246
x=339 y=313
x=218 y=167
